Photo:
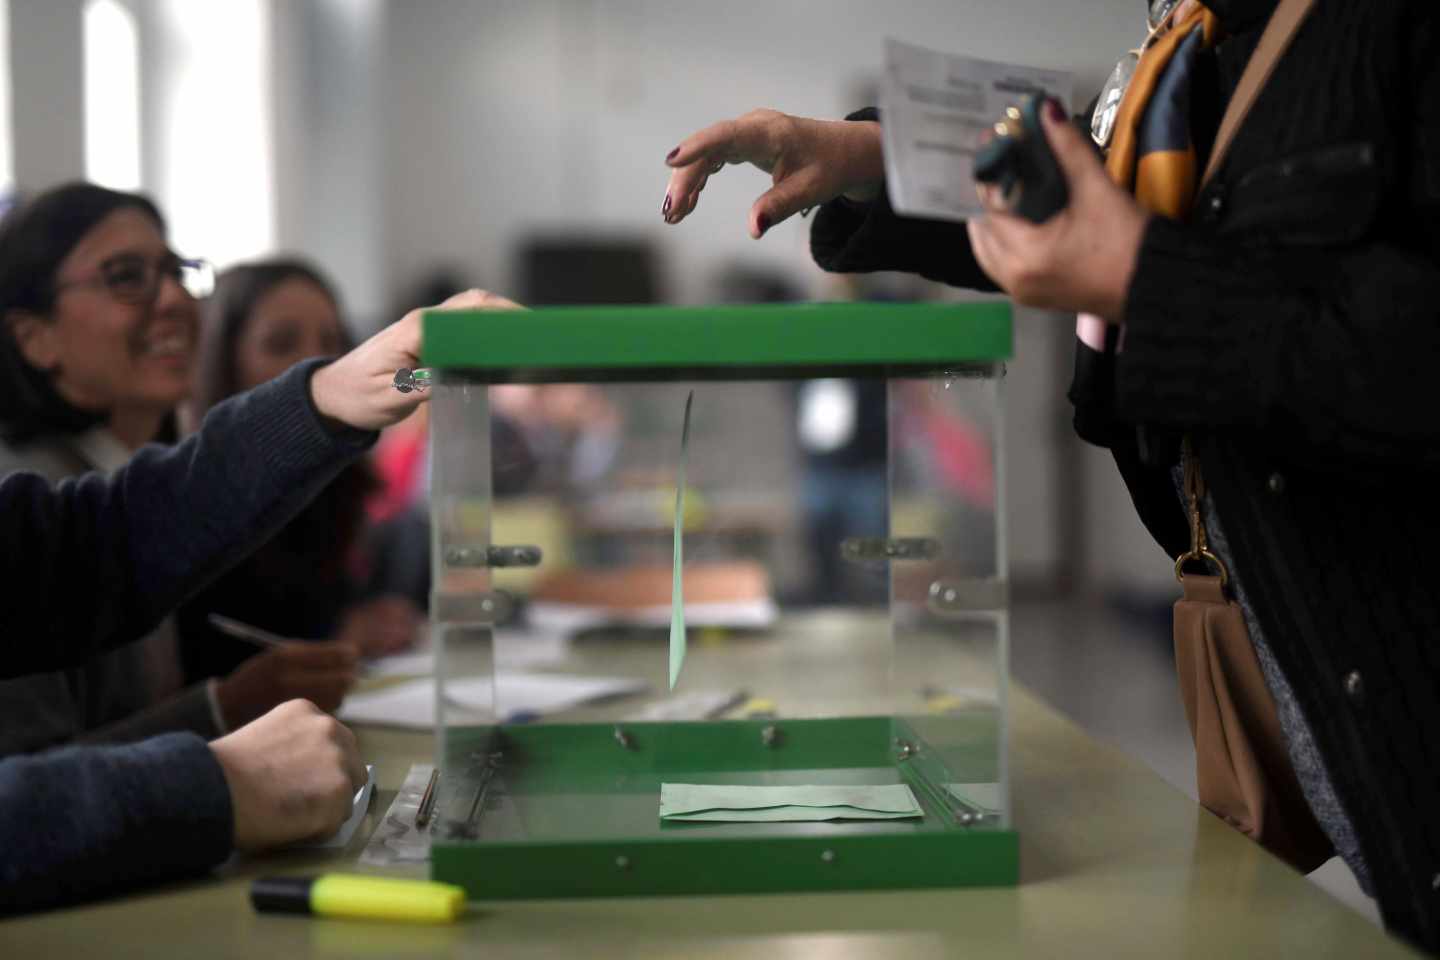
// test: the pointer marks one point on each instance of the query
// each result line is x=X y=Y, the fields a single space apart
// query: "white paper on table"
x=418 y=664
x=933 y=109
x=412 y=704
x=569 y=618
x=513 y=648
x=695 y=705
x=532 y=647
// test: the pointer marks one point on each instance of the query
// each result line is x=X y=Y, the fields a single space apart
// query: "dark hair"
x=35 y=238
x=228 y=310
x=314 y=547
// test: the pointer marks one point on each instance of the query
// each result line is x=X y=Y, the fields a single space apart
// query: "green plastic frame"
x=552 y=776
x=646 y=342
x=618 y=777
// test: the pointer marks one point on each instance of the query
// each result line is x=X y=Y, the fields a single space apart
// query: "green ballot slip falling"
x=677 y=585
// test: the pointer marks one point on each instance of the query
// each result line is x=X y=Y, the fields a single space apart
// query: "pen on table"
x=247 y=632
x=726 y=705
x=427 y=802
x=258 y=636
x=349 y=895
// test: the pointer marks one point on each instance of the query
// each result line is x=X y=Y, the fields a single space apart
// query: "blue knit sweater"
x=97 y=561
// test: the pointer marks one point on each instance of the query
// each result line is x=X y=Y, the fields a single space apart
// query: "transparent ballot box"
x=838 y=617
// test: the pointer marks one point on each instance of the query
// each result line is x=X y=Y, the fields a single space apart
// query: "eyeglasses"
x=135 y=279
x=1107 y=108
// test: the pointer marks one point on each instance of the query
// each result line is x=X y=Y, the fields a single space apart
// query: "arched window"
x=215 y=164
x=112 y=95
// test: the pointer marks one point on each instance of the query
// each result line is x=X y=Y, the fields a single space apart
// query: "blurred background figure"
x=100 y=323
x=315 y=579
x=842 y=432
x=840 y=436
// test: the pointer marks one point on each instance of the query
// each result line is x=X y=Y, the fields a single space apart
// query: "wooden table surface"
x=1114 y=862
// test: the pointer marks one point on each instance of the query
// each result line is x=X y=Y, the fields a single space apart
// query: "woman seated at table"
x=314 y=578
x=99 y=330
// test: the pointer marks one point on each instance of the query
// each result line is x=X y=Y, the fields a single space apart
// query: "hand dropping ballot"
x=934 y=108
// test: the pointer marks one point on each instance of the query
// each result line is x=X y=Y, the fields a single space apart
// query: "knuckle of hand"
x=340 y=735
x=787 y=130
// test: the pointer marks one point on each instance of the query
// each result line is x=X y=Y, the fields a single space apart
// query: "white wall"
x=47 y=92
x=208 y=144
x=513 y=117
x=329 y=80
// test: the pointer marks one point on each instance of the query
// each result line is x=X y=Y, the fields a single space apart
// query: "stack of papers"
x=412 y=704
x=733 y=595
x=515 y=648
x=734 y=803
x=697 y=705
x=759 y=614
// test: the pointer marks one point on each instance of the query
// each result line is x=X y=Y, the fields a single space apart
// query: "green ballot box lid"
x=771 y=341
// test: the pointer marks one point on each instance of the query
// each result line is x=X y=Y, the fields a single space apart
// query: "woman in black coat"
x=1291 y=327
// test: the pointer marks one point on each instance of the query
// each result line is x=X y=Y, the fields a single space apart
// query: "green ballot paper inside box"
x=769 y=539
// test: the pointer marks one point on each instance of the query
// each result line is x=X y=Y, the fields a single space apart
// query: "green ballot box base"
x=573 y=810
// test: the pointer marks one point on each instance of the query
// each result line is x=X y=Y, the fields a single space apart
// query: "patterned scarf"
x=1152 y=153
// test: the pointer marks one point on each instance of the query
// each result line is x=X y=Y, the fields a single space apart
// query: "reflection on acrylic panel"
x=949 y=599
x=585 y=474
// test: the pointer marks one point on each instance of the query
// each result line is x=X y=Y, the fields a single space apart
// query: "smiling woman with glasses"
x=99 y=318
x=99 y=332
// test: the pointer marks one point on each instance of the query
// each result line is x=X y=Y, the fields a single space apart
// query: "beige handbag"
x=1242 y=768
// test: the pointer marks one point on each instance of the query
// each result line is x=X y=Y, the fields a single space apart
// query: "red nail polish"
x=1057 y=112
x=672 y=154
x=763 y=222
x=665 y=207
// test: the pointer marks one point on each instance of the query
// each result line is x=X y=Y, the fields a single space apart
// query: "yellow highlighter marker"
x=352 y=895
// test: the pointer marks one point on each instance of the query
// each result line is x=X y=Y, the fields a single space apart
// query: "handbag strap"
x=1279 y=32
